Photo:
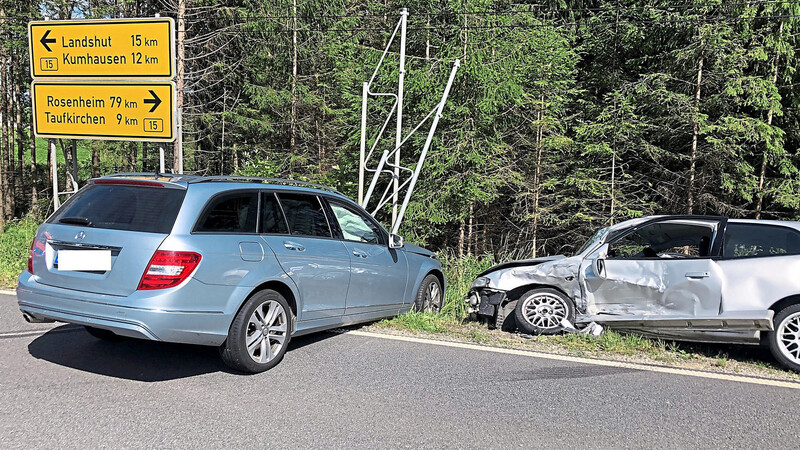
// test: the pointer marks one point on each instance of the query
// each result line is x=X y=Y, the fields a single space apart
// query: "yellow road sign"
x=133 y=111
x=129 y=48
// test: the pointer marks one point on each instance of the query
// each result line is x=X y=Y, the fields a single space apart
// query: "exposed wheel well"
x=783 y=303
x=438 y=274
x=281 y=289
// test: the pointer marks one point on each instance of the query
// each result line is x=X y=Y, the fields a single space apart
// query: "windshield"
x=592 y=240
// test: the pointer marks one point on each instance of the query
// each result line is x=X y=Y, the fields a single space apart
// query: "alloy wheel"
x=266 y=331
x=788 y=334
x=545 y=310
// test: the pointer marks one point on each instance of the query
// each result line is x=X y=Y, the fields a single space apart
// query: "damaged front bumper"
x=485 y=301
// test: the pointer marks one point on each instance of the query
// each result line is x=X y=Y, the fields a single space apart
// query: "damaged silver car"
x=696 y=278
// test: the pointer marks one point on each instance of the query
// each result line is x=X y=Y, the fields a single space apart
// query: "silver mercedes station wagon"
x=239 y=263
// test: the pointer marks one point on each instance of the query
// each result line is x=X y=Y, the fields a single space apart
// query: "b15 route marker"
x=141 y=111
x=124 y=48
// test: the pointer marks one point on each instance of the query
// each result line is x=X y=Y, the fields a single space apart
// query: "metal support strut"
x=392 y=170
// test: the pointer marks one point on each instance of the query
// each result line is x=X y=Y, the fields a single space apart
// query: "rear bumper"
x=153 y=315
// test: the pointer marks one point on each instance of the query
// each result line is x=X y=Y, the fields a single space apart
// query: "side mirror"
x=396 y=241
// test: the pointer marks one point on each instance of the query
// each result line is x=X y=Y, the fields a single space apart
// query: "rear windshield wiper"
x=76 y=221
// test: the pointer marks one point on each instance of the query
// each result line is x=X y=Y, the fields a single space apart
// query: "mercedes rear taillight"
x=168 y=269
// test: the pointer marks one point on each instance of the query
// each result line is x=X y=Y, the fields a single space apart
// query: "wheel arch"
x=784 y=302
x=515 y=294
x=440 y=276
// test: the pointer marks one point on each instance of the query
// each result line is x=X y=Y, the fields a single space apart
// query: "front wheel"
x=430 y=296
x=784 y=342
x=260 y=333
x=541 y=311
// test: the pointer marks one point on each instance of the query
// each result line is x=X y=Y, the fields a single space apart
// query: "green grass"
x=15 y=243
x=84 y=152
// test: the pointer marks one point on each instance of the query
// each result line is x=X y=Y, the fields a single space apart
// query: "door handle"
x=697 y=274
x=294 y=246
x=360 y=254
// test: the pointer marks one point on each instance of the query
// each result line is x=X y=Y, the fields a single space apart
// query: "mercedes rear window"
x=122 y=207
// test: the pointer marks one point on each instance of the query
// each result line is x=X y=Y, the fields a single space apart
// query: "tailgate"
x=116 y=223
x=130 y=252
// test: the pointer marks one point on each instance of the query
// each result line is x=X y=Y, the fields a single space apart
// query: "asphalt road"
x=59 y=387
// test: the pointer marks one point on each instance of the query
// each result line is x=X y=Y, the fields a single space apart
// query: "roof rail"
x=153 y=175
x=283 y=181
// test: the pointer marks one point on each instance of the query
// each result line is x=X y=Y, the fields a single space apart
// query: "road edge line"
x=578 y=359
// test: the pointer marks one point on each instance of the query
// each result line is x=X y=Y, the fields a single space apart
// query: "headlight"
x=480 y=282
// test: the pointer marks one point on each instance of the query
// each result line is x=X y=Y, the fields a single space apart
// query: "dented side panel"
x=757 y=283
x=690 y=287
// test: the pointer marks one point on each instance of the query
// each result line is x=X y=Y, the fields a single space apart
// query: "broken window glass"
x=664 y=240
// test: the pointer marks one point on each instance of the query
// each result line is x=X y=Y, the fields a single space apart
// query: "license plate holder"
x=83 y=260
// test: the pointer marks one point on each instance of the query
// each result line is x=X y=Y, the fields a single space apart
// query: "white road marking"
x=576 y=359
x=8 y=292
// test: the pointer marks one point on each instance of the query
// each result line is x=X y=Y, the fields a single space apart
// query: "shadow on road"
x=134 y=359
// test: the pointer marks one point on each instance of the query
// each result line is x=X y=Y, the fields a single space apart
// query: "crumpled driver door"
x=650 y=287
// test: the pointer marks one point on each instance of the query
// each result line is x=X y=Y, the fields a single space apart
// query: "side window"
x=305 y=215
x=272 y=220
x=665 y=240
x=750 y=240
x=356 y=227
x=230 y=213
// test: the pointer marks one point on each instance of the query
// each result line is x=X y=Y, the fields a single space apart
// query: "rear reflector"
x=168 y=269
x=129 y=182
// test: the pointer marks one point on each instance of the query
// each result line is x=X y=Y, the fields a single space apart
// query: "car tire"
x=430 y=296
x=784 y=341
x=246 y=349
x=103 y=335
x=540 y=311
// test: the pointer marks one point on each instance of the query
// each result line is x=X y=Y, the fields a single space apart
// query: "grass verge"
x=722 y=358
x=15 y=243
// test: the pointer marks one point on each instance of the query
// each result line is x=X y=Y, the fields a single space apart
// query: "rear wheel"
x=105 y=335
x=540 y=311
x=430 y=296
x=260 y=333
x=784 y=342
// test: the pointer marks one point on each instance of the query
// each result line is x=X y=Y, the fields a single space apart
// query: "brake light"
x=168 y=269
x=129 y=182
x=38 y=248
x=30 y=257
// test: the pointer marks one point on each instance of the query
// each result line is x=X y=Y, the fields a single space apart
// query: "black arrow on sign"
x=155 y=100
x=46 y=41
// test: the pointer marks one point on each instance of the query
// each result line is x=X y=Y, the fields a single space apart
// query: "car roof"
x=640 y=220
x=184 y=181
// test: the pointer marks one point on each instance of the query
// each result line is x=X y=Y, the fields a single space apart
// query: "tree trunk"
x=770 y=114
x=293 y=113
x=537 y=174
x=6 y=148
x=695 y=137
x=469 y=230
x=461 y=239
x=177 y=156
x=18 y=128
